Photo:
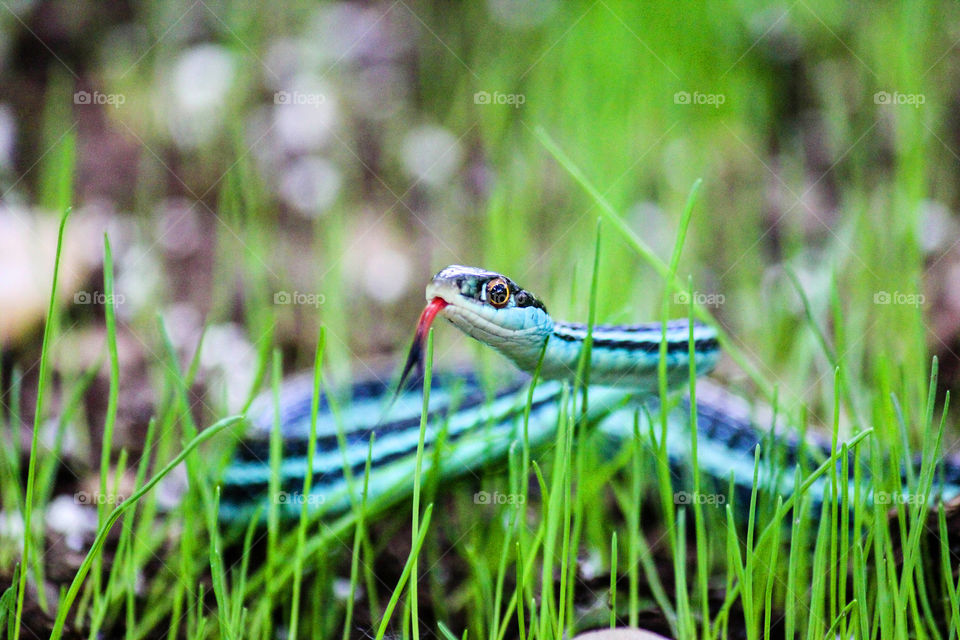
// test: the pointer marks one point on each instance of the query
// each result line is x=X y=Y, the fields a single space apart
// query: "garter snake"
x=470 y=428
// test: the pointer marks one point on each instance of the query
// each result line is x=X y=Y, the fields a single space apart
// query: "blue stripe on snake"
x=479 y=435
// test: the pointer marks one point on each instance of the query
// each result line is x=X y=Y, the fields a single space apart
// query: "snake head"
x=477 y=288
x=487 y=306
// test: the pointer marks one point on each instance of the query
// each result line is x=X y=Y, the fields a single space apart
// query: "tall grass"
x=599 y=132
x=28 y=507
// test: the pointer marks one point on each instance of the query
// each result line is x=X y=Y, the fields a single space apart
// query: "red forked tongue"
x=415 y=357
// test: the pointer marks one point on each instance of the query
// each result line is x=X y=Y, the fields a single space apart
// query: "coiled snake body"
x=473 y=428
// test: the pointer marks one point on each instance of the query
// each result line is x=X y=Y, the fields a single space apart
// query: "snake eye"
x=498 y=292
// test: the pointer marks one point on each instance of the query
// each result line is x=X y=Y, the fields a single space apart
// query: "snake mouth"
x=435 y=306
x=415 y=357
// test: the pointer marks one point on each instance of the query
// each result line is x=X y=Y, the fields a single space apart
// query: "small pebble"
x=431 y=155
x=386 y=275
x=622 y=633
x=196 y=94
x=11 y=527
x=73 y=519
x=310 y=185
x=8 y=136
x=521 y=14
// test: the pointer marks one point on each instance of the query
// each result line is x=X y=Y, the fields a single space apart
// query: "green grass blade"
x=112 y=397
x=37 y=421
x=102 y=532
x=307 y=484
x=415 y=524
x=613 y=580
x=357 y=538
x=651 y=258
x=405 y=575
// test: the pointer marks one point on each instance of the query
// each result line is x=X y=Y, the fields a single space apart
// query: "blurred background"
x=262 y=169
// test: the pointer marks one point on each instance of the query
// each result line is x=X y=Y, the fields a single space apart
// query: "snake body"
x=468 y=429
